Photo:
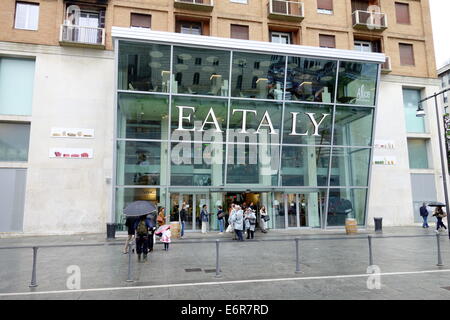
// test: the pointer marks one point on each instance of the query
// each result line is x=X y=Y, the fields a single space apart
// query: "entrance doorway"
x=194 y=203
x=304 y=210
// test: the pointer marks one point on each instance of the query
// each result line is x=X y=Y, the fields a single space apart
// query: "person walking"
x=166 y=238
x=220 y=218
x=142 y=227
x=237 y=220
x=263 y=216
x=182 y=219
x=250 y=223
x=424 y=215
x=204 y=216
x=439 y=214
x=129 y=223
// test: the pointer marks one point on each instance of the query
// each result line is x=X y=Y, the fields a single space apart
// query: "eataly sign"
x=266 y=121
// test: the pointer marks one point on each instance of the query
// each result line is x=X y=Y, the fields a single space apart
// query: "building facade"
x=291 y=105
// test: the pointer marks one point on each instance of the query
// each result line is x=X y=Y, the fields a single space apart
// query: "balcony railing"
x=286 y=10
x=202 y=5
x=374 y=21
x=386 y=67
x=82 y=36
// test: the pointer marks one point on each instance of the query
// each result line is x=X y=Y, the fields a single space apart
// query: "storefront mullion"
x=282 y=122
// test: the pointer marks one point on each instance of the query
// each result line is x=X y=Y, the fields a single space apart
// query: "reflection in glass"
x=312 y=124
x=197 y=164
x=350 y=167
x=140 y=163
x=124 y=196
x=257 y=76
x=253 y=164
x=207 y=116
x=357 y=83
x=353 y=126
x=14 y=141
x=278 y=216
x=346 y=203
x=144 y=67
x=311 y=79
x=142 y=116
x=255 y=122
x=201 y=71
x=305 y=166
x=411 y=98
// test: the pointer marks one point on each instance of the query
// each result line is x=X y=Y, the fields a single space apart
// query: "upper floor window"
x=406 y=54
x=139 y=20
x=402 y=13
x=325 y=6
x=363 y=46
x=281 y=37
x=327 y=41
x=189 y=27
x=27 y=16
x=239 y=32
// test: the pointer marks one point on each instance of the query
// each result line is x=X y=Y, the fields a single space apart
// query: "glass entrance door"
x=194 y=203
x=303 y=210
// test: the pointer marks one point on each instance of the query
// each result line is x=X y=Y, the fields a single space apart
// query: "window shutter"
x=239 y=32
x=327 y=41
x=406 y=54
x=325 y=4
x=402 y=13
x=141 y=20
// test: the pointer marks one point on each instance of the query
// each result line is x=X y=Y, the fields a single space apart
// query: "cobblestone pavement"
x=333 y=265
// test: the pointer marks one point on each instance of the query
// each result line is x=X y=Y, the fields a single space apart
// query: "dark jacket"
x=183 y=215
x=423 y=211
x=204 y=216
x=218 y=213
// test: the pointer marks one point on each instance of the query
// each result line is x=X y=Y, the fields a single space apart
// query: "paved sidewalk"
x=254 y=269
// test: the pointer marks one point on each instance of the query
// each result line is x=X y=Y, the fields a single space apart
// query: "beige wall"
x=255 y=15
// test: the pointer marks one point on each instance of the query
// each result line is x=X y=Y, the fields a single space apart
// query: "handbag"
x=229 y=229
x=266 y=218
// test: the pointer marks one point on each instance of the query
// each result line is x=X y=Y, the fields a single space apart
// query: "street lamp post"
x=421 y=113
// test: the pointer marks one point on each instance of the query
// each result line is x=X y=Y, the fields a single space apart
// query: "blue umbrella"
x=139 y=208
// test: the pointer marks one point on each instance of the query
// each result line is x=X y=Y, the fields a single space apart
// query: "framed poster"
x=71 y=153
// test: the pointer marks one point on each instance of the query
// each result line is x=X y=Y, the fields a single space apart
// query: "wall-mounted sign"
x=72 y=133
x=384 y=161
x=71 y=153
x=384 y=144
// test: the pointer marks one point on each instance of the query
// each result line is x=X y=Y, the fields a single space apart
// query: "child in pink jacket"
x=165 y=238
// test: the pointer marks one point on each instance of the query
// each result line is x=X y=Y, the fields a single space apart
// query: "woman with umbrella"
x=142 y=225
x=439 y=214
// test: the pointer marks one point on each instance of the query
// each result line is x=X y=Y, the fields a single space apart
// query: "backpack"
x=142 y=229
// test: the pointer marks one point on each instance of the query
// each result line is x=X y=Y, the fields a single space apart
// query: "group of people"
x=438 y=213
x=144 y=229
x=243 y=219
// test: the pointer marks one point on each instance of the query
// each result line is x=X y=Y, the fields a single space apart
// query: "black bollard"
x=33 y=283
x=129 y=263
x=439 y=264
x=217 y=260
x=297 y=253
x=370 y=250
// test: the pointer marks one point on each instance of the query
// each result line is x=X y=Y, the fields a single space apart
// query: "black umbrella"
x=139 y=208
x=436 y=204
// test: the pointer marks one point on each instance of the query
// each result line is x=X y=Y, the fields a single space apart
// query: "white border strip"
x=250 y=45
x=177 y=285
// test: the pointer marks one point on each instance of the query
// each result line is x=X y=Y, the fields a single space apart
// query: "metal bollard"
x=370 y=250
x=33 y=283
x=297 y=248
x=439 y=264
x=217 y=259
x=129 y=263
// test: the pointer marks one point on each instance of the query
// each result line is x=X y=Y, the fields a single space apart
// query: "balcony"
x=79 y=36
x=386 y=67
x=366 y=20
x=286 y=10
x=201 y=5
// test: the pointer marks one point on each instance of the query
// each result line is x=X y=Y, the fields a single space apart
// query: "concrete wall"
x=74 y=88
x=390 y=188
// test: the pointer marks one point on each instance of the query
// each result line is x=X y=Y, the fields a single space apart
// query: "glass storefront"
x=211 y=127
